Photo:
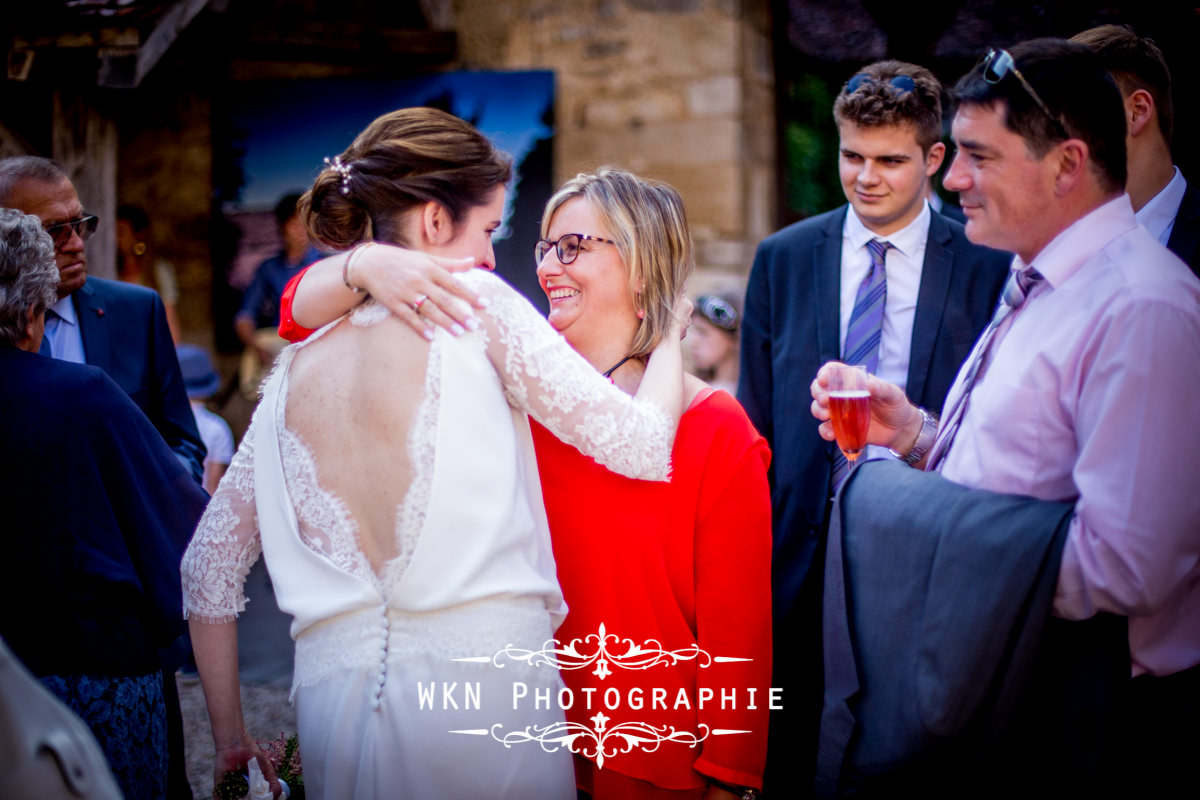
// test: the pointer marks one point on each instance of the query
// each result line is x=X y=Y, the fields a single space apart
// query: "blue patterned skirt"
x=128 y=717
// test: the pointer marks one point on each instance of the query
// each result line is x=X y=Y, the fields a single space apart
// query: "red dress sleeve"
x=288 y=328
x=733 y=602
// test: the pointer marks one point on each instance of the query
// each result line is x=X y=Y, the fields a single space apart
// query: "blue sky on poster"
x=286 y=129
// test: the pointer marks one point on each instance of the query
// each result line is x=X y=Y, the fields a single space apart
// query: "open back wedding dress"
x=391 y=484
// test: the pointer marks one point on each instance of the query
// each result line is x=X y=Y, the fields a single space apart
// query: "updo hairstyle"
x=402 y=160
x=648 y=223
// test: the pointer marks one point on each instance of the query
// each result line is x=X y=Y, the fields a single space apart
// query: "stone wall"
x=678 y=90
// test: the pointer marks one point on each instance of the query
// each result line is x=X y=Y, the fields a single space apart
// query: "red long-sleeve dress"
x=680 y=563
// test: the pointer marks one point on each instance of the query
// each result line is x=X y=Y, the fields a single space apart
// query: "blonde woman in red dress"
x=680 y=570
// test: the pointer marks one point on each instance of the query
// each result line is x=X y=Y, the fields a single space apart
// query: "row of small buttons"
x=377 y=701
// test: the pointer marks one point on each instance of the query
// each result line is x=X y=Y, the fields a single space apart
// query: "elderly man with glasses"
x=1083 y=389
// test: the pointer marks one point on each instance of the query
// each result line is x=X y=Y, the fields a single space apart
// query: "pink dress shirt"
x=1091 y=394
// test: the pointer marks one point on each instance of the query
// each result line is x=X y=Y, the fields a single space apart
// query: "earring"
x=139 y=248
x=641 y=314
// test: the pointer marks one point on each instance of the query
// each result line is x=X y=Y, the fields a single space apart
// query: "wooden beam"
x=120 y=70
x=125 y=36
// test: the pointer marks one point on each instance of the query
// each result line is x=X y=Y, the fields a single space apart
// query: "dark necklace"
x=608 y=373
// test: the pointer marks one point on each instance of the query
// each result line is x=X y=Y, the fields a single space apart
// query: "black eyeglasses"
x=999 y=63
x=567 y=246
x=902 y=83
x=84 y=227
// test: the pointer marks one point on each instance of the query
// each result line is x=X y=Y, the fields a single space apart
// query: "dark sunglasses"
x=999 y=63
x=567 y=246
x=83 y=227
x=902 y=83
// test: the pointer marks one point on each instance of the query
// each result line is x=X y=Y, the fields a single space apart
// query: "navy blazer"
x=791 y=327
x=124 y=331
x=1185 y=234
x=98 y=513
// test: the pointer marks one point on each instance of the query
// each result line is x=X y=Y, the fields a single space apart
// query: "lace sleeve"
x=552 y=383
x=226 y=543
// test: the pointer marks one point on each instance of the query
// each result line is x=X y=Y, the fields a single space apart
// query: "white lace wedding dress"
x=391 y=484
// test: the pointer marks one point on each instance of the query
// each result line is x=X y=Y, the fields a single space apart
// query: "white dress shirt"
x=1090 y=395
x=1158 y=216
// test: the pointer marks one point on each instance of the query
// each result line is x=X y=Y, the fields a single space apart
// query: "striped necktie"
x=1019 y=285
x=865 y=330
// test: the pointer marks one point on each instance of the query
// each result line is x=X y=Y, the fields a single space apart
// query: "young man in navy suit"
x=937 y=291
x=118 y=327
x=1163 y=202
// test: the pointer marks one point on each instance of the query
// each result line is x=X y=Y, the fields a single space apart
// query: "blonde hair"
x=400 y=161
x=647 y=221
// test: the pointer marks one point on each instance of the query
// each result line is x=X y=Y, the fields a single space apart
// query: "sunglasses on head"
x=998 y=64
x=902 y=83
x=718 y=312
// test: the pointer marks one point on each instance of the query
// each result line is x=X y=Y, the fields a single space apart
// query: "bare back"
x=352 y=400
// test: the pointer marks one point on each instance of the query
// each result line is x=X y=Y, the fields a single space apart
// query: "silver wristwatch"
x=929 y=428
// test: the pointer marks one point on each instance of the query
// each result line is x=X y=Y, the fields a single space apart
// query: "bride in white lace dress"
x=390 y=481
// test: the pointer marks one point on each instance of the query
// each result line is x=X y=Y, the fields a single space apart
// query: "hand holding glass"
x=850 y=409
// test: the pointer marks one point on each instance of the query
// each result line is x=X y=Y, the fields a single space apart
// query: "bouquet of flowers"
x=284 y=754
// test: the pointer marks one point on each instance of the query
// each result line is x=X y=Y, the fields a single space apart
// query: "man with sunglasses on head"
x=117 y=327
x=883 y=281
x=1084 y=388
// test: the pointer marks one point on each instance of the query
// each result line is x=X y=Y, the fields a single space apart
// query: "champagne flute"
x=850 y=409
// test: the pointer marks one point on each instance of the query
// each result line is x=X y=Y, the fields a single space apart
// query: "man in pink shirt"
x=1084 y=388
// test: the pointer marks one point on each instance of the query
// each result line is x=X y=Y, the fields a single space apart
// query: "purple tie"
x=866 y=320
x=865 y=330
x=1019 y=285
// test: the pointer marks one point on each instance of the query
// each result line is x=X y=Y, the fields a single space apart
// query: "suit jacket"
x=1185 y=235
x=791 y=327
x=99 y=511
x=124 y=331
x=944 y=671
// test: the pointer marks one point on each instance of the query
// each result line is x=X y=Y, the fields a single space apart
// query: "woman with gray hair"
x=28 y=279
x=101 y=511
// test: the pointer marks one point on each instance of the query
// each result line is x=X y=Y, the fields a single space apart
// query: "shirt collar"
x=907 y=240
x=65 y=310
x=1157 y=215
x=1082 y=239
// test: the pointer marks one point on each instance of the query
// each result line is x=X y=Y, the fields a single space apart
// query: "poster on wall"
x=277 y=134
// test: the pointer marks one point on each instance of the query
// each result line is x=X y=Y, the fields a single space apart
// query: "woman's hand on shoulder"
x=419 y=288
